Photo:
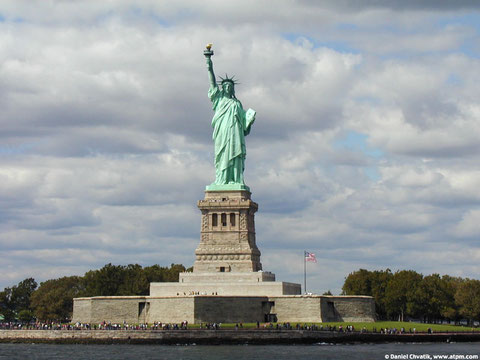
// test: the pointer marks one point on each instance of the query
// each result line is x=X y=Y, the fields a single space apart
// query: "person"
x=231 y=123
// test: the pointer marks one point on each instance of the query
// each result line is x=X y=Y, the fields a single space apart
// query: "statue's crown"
x=228 y=79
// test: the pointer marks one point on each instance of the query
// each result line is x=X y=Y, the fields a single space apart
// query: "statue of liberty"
x=230 y=126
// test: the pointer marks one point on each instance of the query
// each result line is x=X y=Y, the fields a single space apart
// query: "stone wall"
x=114 y=309
x=266 y=288
x=171 y=310
x=297 y=308
x=227 y=233
x=291 y=288
x=118 y=309
x=230 y=309
x=348 y=308
x=216 y=277
x=82 y=310
x=222 y=337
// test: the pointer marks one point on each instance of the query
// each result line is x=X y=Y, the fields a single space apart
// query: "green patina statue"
x=230 y=126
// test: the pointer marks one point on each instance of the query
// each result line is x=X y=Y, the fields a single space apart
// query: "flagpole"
x=304 y=271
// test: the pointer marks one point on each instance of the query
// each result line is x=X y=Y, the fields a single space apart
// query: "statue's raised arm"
x=211 y=75
x=231 y=123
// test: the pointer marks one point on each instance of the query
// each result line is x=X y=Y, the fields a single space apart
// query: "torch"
x=208 y=52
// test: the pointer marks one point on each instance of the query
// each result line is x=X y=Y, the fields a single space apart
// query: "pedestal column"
x=227 y=240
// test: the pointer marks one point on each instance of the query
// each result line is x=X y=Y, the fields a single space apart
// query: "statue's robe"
x=230 y=126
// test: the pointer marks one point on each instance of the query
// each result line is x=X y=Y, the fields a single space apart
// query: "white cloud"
x=469 y=226
x=106 y=140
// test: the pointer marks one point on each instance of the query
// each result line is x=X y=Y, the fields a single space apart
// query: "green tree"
x=467 y=299
x=358 y=283
x=155 y=273
x=134 y=282
x=173 y=273
x=116 y=280
x=380 y=279
x=16 y=298
x=105 y=281
x=25 y=316
x=435 y=297
x=400 y=294
x=53 y=300
x=370 y=283
x=7 y=309
x=451 y=311
x=21 y=294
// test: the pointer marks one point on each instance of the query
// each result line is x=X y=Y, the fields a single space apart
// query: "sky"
x=365 y=149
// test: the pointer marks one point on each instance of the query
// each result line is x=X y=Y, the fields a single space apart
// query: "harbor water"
x=186 y=352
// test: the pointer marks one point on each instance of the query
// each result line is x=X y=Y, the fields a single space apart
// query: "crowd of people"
x=104 y=325
x=36 y=326
x=125 y=326
x=402 y=330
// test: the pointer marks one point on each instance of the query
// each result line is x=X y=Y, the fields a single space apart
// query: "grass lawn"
x=420 y=327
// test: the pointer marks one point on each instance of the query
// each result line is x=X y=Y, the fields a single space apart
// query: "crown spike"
x=228 y=79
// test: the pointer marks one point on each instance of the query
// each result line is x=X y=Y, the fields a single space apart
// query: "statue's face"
x=228 y=87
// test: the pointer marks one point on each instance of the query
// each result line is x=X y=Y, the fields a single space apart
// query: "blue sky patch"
x=355 y=141
x=454 y=79
x=338 y=46
x=471 y=20
x=16 y=149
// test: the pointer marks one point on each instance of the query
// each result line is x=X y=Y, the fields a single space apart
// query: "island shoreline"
x=224 y=337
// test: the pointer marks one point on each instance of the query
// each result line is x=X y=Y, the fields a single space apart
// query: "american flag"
x=310 y=256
